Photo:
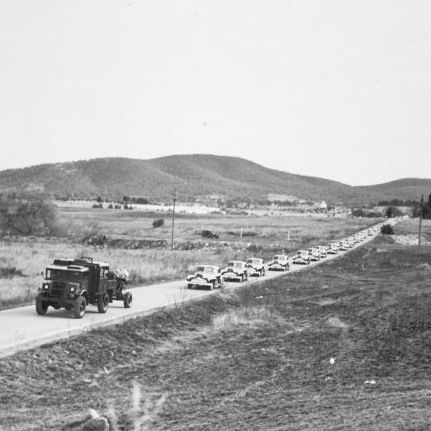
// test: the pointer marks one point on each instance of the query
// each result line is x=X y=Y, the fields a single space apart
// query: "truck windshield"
x=58 y=274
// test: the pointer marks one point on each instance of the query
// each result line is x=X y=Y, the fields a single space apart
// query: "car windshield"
x=208 y=269
x=234 y=264
x=58 y=274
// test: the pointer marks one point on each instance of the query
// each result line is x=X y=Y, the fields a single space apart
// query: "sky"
x=338 y=89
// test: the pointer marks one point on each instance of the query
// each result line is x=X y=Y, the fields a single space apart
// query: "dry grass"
x=252 y=317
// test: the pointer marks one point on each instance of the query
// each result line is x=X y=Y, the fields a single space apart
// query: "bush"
x=23 y=215
x=387 y=229
x=158 y=222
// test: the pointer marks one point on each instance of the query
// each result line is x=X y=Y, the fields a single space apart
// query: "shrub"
x=27 y=215
x=158 y=222
x=387 y=229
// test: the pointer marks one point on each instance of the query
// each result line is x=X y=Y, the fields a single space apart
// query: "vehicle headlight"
x=45 y=287
x=72 y=289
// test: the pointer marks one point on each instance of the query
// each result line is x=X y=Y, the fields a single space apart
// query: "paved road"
x=21 y=328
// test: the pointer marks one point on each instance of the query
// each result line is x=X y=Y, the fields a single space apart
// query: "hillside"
x=191 y=175
x=407 y=188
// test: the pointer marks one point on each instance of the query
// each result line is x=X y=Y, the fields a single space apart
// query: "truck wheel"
x=127 y=300
x=102 y=305
x=79 y=307
x=41 y=307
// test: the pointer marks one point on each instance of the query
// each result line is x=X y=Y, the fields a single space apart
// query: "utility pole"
x=421 y=212
x=174 y=197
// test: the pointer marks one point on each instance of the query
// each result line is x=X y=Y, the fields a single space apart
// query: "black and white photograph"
x=215 y=215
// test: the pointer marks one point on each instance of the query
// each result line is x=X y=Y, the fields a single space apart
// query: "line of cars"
x=211 y=277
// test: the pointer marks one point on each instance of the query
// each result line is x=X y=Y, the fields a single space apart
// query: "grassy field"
x=342 y=346
x=22 y=260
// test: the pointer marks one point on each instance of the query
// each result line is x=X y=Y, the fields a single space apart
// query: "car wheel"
x=127 y=300
x=103 y=303
x=79 y=307
x=189 y=285
x=212 y=285
x=41 y=307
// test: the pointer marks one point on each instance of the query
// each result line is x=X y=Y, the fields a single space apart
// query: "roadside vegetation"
x=345 y=345
x=23 y=258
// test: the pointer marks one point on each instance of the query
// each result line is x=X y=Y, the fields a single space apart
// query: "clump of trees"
x=359 y=212
x=423 y=209
x=27 y=215
x=393 y=212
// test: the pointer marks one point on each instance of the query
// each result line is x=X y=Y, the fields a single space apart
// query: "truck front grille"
x=59 y=290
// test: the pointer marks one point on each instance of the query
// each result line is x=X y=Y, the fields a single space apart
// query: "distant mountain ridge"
x=194 y=175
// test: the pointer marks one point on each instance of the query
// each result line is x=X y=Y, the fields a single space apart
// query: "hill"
x=191 y=175
x=404 y=189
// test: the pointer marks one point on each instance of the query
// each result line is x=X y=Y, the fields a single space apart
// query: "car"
x=322 y=250
x=314 y=254
x=208 y=276
x=255 y=266
x=344 y=246
x=302 y=257
x=351 y=241
x=279 y=262
x=236 y=270
x=332 y=249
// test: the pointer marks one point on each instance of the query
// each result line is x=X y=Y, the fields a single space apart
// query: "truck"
x=74 y=284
